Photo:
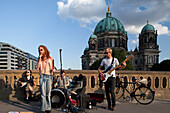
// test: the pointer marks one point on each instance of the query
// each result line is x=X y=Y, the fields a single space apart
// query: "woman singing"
x=45 y=67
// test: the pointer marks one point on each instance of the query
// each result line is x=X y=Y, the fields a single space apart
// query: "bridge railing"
x=159 y=81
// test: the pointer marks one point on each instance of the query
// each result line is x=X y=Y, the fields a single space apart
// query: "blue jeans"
x=45 y=91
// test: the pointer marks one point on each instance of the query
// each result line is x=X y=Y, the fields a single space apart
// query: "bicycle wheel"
x=119 y=91
x=144 y=95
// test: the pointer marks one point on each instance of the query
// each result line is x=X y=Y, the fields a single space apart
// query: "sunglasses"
x=28 y=72
x=41 y=50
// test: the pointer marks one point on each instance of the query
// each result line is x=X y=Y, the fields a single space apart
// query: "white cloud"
x=133 y=29
x=133 y=14
x=134 y=42
x=161 y=29
x=136 y=29
x=84 y=11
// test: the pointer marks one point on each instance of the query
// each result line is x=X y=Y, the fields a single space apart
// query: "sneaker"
x=64 y=110
x=113 y=108
x=27 y=101
x=108 y=107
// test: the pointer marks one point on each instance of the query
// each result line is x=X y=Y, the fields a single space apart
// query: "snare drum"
x=58 y=98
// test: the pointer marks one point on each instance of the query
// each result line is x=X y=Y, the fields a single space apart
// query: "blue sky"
x=68 y=24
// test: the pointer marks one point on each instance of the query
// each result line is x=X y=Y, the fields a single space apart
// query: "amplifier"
x=84 y=100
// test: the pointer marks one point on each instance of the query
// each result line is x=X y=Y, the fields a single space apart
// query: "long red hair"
x=47 y=53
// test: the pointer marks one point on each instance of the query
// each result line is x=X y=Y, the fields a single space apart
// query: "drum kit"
x=58 y=98
x=61 y=99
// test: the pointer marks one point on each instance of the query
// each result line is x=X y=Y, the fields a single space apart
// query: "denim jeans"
x=45 y=91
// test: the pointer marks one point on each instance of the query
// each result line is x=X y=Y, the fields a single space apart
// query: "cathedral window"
x=93 y=46
x=103 y=42
x=150 y=60
x=141 y=61
x=145 y=39
x=100 y=28
x=113 y=26
x=136 y=61
x=150 y=40
x=99 y=44
x=113 y=42
x=108 y=43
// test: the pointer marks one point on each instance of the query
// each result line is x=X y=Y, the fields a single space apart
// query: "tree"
x=96 y=64
x=163 y=66
x=119 y=54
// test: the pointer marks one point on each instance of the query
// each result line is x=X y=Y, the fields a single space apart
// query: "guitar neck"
x=113 y=69
x=116 y=67
x=128 y=58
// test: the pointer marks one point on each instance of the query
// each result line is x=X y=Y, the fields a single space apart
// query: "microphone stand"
x=62 y=78
x=61 y=70
x=61 y=65
x=65 y=91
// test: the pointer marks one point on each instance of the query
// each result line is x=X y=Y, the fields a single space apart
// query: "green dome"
x=86 y=48
x=93 y=36
x=148 y=27
x=109 y=24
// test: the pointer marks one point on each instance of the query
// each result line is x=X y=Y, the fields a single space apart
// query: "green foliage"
x=163 y=66
x=96 y=64
x=129 y=66
x=119 y=54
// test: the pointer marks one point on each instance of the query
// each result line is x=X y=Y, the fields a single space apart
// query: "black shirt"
x=24 y=79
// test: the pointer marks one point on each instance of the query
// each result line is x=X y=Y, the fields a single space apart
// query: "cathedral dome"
x=86 y=49
x=93 y=36
x=109 y=24
x=148 y=27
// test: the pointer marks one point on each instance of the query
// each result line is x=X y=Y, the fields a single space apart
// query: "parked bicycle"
x=140 y=91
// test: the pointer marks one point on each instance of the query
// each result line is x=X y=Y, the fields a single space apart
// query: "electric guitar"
x=24 y=83
x=108 y=74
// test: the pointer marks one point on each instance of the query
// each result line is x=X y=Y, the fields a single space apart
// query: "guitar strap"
x=109 y=66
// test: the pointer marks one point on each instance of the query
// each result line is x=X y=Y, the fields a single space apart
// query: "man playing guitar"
x=110 y=82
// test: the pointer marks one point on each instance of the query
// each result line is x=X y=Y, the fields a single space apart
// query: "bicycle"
x=142 y=93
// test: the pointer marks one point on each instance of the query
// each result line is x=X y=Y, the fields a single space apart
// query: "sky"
x=68 y=24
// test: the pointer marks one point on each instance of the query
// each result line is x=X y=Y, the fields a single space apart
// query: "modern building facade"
x=12 y=58
x=111 y=33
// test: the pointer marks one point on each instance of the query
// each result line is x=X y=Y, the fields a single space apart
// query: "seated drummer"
x=62 y=81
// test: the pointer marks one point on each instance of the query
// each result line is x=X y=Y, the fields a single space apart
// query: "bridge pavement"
x=157 y=106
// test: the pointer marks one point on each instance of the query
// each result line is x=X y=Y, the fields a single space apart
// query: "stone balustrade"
x=160 y=81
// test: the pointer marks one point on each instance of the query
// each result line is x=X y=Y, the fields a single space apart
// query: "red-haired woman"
x=45 y=67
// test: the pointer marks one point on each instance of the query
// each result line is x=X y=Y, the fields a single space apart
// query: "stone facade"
x=159 y=82
x=148 y=53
